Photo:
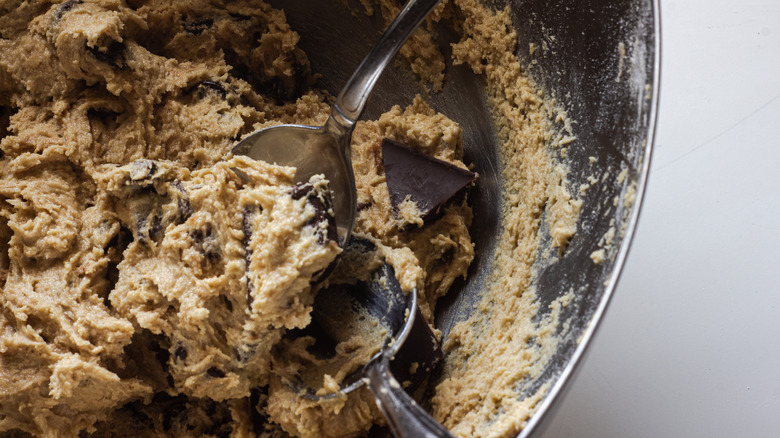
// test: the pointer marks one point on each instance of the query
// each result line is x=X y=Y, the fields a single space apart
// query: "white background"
x=690 y=345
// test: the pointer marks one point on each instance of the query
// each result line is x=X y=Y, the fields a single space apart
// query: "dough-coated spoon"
x=326 y=149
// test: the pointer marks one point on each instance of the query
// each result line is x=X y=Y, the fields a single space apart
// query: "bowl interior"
x=599 y=61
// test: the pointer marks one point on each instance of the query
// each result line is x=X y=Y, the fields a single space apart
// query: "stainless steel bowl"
x=601 y=62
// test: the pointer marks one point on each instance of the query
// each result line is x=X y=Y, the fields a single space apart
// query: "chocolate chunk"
x=209 y=86
x=149 y=226
x=184 y=205
x=245 y=352
x=156 y=229
x=418 y=356
x=246 y=226
x=300 y=190
x=140 y=225
x=321 y=202
x=185 y=209
x=64 y=8
x=207 y=243
x=142 y=171
x=427 y=181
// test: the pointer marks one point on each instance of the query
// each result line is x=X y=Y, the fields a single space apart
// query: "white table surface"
x=690 y=345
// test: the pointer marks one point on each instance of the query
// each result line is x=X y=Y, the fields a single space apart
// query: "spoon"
x=407 y=339
x=326 y=149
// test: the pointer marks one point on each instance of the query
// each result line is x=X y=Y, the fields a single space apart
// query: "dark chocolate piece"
x=142 y=172
x=421 y=349
x=428 y=181
x=206 y=86
x=156 y=229
x=184 y=205
x=207 y=243
x=322 y=206
x=246 y=226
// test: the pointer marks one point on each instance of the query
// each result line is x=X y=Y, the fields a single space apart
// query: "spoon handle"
x=353 y=96
x=404 y=416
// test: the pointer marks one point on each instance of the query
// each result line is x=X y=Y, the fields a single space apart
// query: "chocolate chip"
x=141 y=171
x=156 y=230
x=322 y=206
x=140 y=225
x=364 y=205
x=300 y=190
x=207 y=243
x=246 y=226
x=206 y=86
x=64 y=8
x=427 y=181
x=184 y=205
x=215 y=372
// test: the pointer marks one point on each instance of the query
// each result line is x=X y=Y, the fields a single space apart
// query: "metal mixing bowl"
x=601 y=62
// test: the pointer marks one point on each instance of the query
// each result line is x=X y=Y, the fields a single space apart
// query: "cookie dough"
x=150 y=286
